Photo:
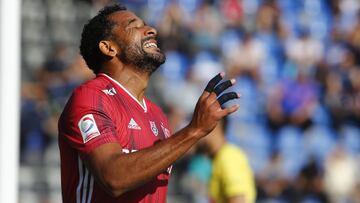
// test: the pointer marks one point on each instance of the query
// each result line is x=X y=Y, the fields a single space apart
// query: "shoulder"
x=231 y=154
x=91 y=91
x=88 y=96
x=231 y=161
x=234 y=150
x=94 y=86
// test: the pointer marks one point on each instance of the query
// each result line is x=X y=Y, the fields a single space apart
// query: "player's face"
x=137 y=42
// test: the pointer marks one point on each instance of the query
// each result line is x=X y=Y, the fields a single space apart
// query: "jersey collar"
x=143 y=105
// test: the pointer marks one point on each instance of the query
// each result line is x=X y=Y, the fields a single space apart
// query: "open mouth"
x=151 y=44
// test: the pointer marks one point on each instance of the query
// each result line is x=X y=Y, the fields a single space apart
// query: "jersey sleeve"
x=88 y=121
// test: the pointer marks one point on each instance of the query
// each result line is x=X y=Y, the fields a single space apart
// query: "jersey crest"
x=154 y=128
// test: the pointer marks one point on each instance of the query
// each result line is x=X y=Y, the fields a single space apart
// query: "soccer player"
x=231 y=180
x=115 y=144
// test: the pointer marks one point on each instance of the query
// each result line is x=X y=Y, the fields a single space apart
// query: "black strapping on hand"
x=222 y=86
x=213 y=82
x=227 y=96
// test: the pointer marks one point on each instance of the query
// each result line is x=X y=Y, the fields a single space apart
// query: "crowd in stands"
x=297 y=66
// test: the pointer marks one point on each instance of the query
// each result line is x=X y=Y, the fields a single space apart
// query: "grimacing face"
x=137 y=42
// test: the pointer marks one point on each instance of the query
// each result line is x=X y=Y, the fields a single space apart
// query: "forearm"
x=145 y=164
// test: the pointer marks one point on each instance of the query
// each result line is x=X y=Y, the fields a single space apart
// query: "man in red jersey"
x=115 y=144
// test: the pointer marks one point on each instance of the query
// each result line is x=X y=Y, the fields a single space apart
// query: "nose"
x=150 y=31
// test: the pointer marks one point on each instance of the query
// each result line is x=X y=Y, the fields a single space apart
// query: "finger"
x=231 y=109
x=214 y=81
x=223 y=86
x=228 y=96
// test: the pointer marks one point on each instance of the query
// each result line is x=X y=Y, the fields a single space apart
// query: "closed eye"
x=131 y=22
x=135 y=23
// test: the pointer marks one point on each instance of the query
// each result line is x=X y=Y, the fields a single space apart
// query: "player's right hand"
x=208 y=110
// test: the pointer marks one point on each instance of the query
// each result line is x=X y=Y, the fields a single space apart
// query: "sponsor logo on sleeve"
x=88 y=127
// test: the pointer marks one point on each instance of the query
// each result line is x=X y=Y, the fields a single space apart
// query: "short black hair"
x=96 y=29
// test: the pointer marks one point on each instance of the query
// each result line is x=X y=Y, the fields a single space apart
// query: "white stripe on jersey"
x=82 y=187
x=78 y=188
x=85 y=186
x=91 y=188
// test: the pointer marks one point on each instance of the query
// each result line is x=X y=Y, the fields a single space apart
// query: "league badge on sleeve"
x=154 y=128
x=88 y=127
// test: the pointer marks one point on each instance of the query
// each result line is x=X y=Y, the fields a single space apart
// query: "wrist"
x=195 y=132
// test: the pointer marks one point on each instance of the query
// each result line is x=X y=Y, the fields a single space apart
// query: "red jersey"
x=102 y=111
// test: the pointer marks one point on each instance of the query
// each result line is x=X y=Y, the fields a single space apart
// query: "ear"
x=107 y=48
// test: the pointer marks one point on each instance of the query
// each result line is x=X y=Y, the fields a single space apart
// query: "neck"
x=133 y=80
x=216 y=141
x=216 y=147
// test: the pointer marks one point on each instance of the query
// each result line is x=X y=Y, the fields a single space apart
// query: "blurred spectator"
x=355 y=94
x=232 y=11
x=292 y=102
x=231 y=179
x=268 y=17
x=309 y=184
x=52 y=75
x=207 y=26
x=34 y=112
x=340 y=173
x=173 y=28
x=271 y=181
x=246 y=59
x=305 y=52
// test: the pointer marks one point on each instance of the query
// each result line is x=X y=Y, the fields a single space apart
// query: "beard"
x=143 y=61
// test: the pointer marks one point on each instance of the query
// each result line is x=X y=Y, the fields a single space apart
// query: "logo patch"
x=88 y=127
x=133 y=125
x=165 y=131
x=154 y=128
x=110 y=91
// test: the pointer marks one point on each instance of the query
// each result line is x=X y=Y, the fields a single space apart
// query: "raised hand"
x=208 y=110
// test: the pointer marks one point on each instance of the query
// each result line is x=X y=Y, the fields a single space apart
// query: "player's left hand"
x=208 y=110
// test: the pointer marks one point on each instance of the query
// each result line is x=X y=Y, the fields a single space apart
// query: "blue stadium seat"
x=290 y=144
x=176 y=66
x=350 y=138
x=251 y=101
x=311 y=200
x=320 y=116
x=229 y=40
x=320 y=140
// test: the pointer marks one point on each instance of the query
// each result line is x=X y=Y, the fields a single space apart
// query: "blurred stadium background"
x=297 y=67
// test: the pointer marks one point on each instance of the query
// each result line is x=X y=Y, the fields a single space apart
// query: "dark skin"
x=108 y=163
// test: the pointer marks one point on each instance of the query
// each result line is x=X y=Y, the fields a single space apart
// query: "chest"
x=138 y=128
